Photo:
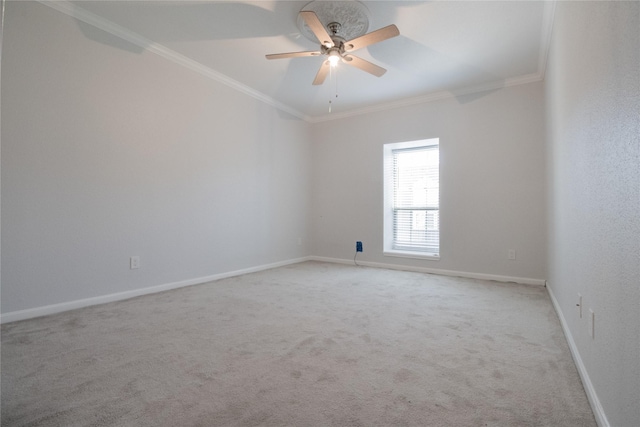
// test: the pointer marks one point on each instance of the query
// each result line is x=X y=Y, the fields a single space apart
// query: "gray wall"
x=593 y=107
x=109 y=152
x=492 y=180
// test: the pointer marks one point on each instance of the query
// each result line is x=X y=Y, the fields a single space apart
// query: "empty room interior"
x=228 y=213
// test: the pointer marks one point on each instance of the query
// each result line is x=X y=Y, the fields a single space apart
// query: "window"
x=412 y=199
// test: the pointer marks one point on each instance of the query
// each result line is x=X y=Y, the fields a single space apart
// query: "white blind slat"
x=416 y=199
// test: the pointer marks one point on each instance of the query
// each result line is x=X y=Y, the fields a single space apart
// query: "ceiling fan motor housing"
x=339 y=46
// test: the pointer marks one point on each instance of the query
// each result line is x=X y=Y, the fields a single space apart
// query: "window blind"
x=416 y=199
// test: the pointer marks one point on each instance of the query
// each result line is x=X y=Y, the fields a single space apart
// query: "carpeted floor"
x=311 y=344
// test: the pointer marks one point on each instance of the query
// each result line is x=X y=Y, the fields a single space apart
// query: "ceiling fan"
x=336 y=48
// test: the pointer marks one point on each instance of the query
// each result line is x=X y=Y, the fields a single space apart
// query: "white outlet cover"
x=134 y=262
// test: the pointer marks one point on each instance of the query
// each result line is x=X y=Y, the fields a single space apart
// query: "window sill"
x=416 y=255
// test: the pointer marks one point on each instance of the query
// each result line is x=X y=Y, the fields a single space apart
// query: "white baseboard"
x=14 y=316
x=103 y=299
x=596 y=407
x=481 y=276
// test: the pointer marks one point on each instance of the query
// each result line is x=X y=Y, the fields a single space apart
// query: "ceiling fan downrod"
x=334 y=27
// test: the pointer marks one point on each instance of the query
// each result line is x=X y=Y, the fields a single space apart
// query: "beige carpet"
x=311 y=344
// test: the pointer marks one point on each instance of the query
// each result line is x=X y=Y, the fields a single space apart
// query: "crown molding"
x=76 y=12
x=97 y=21
x=434 y=96
x=548 y=16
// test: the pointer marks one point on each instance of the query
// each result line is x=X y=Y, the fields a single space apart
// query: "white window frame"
x=389 y=245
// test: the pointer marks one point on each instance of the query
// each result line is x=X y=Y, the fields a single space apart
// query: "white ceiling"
x=445 y=48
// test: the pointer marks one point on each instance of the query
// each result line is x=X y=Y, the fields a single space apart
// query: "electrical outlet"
x=134 y=262
x=511 y=254
x=358 y=246
x=592 y=324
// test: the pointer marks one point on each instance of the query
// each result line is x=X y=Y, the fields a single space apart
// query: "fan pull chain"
x=336 y=85
x=335 y=80
x=330 y=79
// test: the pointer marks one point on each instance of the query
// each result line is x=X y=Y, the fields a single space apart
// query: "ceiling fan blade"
x=292 y=55
x=364 y=65
x=311 y=19
x=371 y=38
x=322 y=73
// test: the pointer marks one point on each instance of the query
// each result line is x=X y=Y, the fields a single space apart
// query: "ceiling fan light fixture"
x=334 y=57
